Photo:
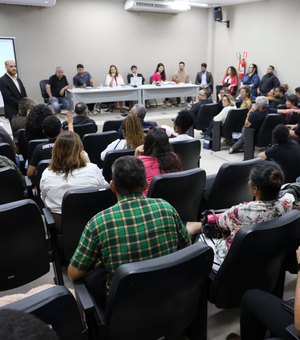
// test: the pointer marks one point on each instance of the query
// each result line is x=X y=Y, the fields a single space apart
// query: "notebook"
x=136 y=81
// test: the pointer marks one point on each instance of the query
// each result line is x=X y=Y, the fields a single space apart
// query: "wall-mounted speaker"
x=218 y=16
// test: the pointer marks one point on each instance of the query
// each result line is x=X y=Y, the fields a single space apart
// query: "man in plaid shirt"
x=135 y=229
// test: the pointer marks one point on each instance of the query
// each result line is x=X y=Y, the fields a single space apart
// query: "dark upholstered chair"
x=95 y=143
x=57 y=307
x=158 y=298
x=234 y=122
x=109 y=159
x=78 y=207
x=12 y=187
x=188 y=152
x=22 y=144
x=230 y=185
x=24 y=248
x=112 y=125
x=263 y=138
x=256 y=259
x=85 y=129
x=183 y=190
x=33 y=144
x=205 y=115
x=7 y=151
x=44 y=93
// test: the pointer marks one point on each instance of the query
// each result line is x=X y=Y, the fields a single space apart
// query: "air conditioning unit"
x=38 y=3
x=172 y=7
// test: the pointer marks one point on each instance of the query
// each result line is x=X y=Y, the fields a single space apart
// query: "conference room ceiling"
x=211 y=3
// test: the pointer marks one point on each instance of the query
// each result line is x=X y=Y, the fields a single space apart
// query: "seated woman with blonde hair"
x=70 y=168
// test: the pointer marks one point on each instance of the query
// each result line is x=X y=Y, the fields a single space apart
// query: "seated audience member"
x=81 y=116
x=18 y=122
x=133 y=135
x=268 y=82
x=252 y=80
x=5 y=138
x=182 y=123
x=265 y=181
x=51 y=127
x=15 y=324
x=297 y=92
x=244 y=96
x=158 y=77
x=4 y=162
x=277 y=96
x=285 y=152
x=83 y=78
x=224 y=91
x=205 y=80
x=134 y=73
x=34 y=121
x=291 y=107
x=254 y=119
x=262 y=311
x=70 y=168
x=294 y=131
x=56 y=88
x=203 y=99
x=230 y=80
x=181 y=76
x=153 y=227
x=157 y=155
x=228 y=104
x=114 y=78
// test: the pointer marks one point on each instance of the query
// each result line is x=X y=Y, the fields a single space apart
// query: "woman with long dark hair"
x=158 y=77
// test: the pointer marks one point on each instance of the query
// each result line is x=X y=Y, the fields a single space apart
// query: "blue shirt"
x=80 y=79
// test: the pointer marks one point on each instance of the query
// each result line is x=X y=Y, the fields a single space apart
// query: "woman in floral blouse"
x=265 y=181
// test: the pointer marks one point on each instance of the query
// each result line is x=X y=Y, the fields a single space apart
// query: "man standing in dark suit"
x=12 y=89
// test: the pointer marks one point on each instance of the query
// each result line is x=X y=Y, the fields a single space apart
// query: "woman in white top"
x=70 y=168
x=182 y=123
x=133 y=133
x=114 y=79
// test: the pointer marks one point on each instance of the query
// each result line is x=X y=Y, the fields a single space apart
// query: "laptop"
x=136 y=81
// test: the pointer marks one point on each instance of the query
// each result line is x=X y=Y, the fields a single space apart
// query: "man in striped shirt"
x=135 y=229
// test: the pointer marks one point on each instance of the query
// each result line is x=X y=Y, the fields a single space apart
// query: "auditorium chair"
x=85 y=129
x=95 y=143
x=234 y=122
x=57 y=307
x=263 y=138
x=7 y=151
x=188 y=152
x=154 y=299
x=205 y=114
x=183 y=190
x=256 y=259
x=12 y=187
x=44 y=93
x=112 y=125
x=32 y=144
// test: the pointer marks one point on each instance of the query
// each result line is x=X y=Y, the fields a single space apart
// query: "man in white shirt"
x=12 y=89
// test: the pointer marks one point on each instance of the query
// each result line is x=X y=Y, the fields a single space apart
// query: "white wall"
x=269 y=31
x=99 y=33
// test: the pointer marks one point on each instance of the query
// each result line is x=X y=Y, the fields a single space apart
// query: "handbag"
x=211 y=227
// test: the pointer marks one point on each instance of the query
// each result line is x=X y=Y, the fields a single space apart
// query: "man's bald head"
x=11 y=67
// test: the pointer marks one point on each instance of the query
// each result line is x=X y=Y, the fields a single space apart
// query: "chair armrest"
x=48 y=218
x=249 y=144
x=216 y=136
x=291 y=330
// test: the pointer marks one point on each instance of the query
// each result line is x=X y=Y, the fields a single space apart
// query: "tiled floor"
x=220 y=322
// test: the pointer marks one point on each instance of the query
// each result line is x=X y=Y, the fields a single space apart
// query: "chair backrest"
x=95 y=143
x=234 y=122
x=183 y=190
x=78 y=207
x=84 y=129
x=39 y=171
x=32 y=145
x=157 y=298
x=188 y=152
x=112 y=125
x=44 y=93
x=57 y=307
x=22 y=143
x=109 y=159
x=23 y=248
x=255 y=260
x=205 y=115
x=12 y=187
x=230 y=186
x=7 y=151
x=264 y=135
x=150 y=80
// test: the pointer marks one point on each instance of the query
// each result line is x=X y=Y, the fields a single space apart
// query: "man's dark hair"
x=281 y=134
x=51 y=126
x=184 y=120
x=204 y=65
x=34 y=121
x=297 y=89
x=182 y=62
x=133 y=66
x=16 y=325
x=80 y=108
x=293 y=99
x=79 y=66
x=272 y=67
x=129 y=175
x=281 y=89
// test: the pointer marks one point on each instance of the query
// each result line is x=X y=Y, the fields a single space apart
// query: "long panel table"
x=139 y=94
x=103 y=94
